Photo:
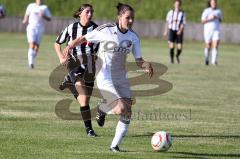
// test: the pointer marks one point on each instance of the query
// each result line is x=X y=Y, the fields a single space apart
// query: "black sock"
x=172 y=55
x=86 y=116
x=179 y=51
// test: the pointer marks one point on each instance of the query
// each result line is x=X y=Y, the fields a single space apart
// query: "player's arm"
x=73 y=44
x=25 y=19
x=145 y=65
x=63 y=59
x=45 y=17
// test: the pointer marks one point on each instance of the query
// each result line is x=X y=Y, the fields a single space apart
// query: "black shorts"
x=174 y=38
x=78 y=71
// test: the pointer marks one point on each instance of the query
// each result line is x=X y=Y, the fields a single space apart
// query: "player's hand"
x=148 y=69
x=64 y=60
x=179 y=32
x=165 y=33
x=67 y=50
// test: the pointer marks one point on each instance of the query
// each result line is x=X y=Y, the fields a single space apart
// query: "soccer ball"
x=161 y=141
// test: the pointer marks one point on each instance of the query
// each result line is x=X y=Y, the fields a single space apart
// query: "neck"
x=84 y=23
x=123 y=30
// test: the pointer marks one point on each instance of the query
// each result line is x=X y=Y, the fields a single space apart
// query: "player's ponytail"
x=122 y=8
x=81 y=8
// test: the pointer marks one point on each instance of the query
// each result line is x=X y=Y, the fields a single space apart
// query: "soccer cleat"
x=115 y=149
x=66 y=82
x=31 y=66
x=206 y=63
x=178 y=59
x=91 y=133
x=100 y=117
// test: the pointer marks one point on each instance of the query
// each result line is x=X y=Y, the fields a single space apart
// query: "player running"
x=80 y=63
x=117 y=40
x=211 y=18
x=35 y=15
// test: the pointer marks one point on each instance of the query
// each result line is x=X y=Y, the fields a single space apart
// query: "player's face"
x=126 y=19
x=87 y=14
x=177 y=5
x=39 y=2
x=213 y=3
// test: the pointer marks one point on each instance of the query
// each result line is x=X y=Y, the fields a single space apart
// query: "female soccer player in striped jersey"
x=35 y=15
x=211 y=18
x=80 y=62
x=116 y=40
x=175 y=23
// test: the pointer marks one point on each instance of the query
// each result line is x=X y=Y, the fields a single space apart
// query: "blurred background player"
x=117 y=40
x=211 y=18
x=2 y=11
x=35 y=15
x=174 y=28
x=81 y=63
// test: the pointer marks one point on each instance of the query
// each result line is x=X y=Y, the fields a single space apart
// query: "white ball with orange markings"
x=161 y=141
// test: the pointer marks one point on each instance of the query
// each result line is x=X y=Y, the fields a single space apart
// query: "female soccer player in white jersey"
x=35 y=15
x=81 y=64
x=116 y=42
x=211 y=18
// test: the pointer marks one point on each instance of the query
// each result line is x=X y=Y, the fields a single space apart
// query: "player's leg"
x=215 y=44
x=122 y=108
x=179 y=46
x=31 y=37
x=84 y=93
x=171 y=40
x=208 y=43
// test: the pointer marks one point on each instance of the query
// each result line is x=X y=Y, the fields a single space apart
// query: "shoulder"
x=93 y=24
x=104 y=26
x=134 y=34
x=30 y=5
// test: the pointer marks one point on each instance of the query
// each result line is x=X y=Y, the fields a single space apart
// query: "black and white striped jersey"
x=175 y=19
x=74 y=31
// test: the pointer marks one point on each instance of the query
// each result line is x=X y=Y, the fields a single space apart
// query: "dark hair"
x=209 y=3
x=180 y=2
x=122 y=8
x=81 y=8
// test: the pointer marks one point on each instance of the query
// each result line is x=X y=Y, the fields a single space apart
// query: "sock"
x=206 y=53
x=86 y=116
x=179 y=51
x=31 y=56
x=121 y=130
x=172 y=55
x=214 y=56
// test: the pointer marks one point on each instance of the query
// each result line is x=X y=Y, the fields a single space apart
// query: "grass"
x=201 y=111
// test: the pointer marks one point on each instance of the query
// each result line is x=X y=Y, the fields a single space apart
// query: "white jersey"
x=175 y=19
x=33 y=11
x=113 y=49
x=213 y=25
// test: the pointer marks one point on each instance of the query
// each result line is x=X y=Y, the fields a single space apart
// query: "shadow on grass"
x=149 y=134
x=202 y=155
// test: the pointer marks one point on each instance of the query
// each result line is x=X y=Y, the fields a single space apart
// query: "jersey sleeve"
x=204 y=15
x=63 y=37
x=28 y=10
x=168 y=17
x=136 y=50
x=47 y=12
x=95 y=36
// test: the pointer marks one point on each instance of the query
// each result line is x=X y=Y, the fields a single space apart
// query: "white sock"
x=121 y=131
x=206 y=53
x=214 y=56
x=31 y=56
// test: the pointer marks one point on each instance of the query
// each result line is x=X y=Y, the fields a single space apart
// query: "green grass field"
x=202 y=111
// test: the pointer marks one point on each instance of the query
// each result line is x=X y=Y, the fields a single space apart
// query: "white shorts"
x=113 y=91
x=212 y=35
x=34 y=34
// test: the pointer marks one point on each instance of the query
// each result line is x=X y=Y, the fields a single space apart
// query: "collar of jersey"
x=85 y=26
x=120 y=29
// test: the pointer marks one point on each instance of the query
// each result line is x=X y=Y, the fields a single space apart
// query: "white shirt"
x=113 y=50
x=175 y=19
x=213 y=24
x=33 y=11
